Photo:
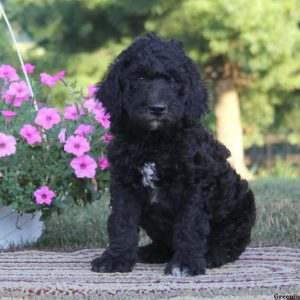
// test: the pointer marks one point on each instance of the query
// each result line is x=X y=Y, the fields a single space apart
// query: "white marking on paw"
x=180 y=272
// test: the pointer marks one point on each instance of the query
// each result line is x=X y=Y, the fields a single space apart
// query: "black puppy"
x=169 y=175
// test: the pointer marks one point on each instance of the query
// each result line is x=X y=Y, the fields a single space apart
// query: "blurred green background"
x=247 y=51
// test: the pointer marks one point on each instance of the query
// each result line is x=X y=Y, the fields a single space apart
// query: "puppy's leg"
x=154 y=253
x=229 y=238
x=190 y=234
x=123 y=234
x=160 y=230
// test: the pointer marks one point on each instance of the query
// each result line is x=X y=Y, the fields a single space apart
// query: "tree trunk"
x=229 y=127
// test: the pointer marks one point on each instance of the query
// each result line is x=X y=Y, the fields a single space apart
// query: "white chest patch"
x=149 y=175
x=149 y=178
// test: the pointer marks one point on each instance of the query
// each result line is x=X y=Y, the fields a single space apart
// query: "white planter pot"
x=18 y=228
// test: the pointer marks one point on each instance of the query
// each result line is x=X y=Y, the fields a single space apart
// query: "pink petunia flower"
x=1 y=175
x=103 y=163
x=73 y=112
x=92 y=89
x=30 y=134
x=8 y=98
x=7 y=145
x=29 y=68
x=103 y=119
x=84 y=130
x=106 y=138
x=93 y=106
x=62 y=135
x=18 y=92
x=44 y=195
x=8 y=115
x=49 y=80
x=77 y=145
x=8 y=72
x=47 y=117
x=84 y=166
x=59 y=75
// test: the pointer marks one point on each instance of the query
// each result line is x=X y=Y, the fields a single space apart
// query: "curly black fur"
x=169 y=175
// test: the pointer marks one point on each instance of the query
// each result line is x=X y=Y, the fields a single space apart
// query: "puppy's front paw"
x=178 y=269
x=109 y=264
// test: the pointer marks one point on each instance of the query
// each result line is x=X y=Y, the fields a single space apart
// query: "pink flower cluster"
x=16 y=92
x=96 y=108
x=8 y=73
x=83 y=164
x=78 y=144
x=51 y=81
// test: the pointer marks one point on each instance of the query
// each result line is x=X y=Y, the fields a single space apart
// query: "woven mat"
x=39 y=274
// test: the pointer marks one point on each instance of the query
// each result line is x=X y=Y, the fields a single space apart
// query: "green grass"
x=278 y=220
x=278 y=207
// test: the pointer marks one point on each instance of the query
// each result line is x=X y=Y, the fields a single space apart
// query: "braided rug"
x=65 y=275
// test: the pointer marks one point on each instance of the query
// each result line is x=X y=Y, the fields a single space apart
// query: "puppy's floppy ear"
x=197 y=97
x=110 y=90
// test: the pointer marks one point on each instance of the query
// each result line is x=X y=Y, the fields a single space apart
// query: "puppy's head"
x=154 y=85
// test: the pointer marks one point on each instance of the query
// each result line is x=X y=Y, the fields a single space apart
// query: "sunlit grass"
x=278 y=206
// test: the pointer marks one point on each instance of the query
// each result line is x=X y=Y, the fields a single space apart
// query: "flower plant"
x=50 y=159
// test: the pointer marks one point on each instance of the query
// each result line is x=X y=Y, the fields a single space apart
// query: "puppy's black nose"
x=157 y=108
